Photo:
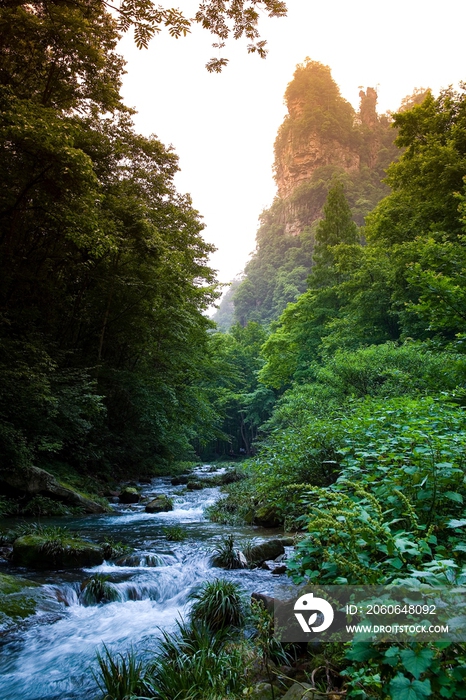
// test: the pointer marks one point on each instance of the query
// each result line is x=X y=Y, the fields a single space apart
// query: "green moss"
x=15 y=603
x=40 y=552
x=14 y=584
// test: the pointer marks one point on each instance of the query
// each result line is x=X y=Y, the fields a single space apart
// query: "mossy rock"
x=262 y=691
x=303 y=691
x=160 y=504
x=14 y=584
x=195 y=485
x=39 y=552
x=16 y=602
x=268 y=516
x=129 y=494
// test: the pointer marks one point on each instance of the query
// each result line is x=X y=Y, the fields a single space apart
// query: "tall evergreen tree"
x=335 y=228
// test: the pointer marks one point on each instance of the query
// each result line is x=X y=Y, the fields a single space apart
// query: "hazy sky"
x=223 y=126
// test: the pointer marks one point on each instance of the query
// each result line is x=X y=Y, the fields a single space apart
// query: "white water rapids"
x=52 y=654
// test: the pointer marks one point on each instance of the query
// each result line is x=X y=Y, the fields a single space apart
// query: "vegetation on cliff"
x=321 y=138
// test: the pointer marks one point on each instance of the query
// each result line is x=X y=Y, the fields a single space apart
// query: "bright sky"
x=223 y=126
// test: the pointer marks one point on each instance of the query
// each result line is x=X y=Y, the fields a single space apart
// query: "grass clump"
x=121 y=676
x=196 y=664
x=226 y=555
x=98 y=590
x=218 y=604
x=112 y=549
x=41 y=505
x=174 y=533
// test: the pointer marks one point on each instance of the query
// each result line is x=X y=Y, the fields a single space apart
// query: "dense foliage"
x=104 y=280
x=364 y=450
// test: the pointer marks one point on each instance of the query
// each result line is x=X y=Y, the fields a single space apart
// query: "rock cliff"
x=322 y=135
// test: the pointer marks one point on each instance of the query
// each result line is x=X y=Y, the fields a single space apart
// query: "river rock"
x=263 y=691
x=266 y=550
x=195 y=485
x=33 y=481
x=303 y=691
x=160 y=504
x=268 y=516
x=129 y=494
x=17 y=600
x=40 y=552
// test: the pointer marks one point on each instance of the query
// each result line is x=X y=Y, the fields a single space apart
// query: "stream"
x=52 y=654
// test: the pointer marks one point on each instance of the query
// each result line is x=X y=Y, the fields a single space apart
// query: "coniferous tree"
x=335 y=228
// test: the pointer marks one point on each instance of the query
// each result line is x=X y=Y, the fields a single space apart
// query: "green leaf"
x=401 y=688
x=361 y=651
x=395 y=562
x=416 y=662
x=457 y=523
x=453 y=496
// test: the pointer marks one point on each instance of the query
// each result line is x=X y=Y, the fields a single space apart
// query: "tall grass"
x=218 y=604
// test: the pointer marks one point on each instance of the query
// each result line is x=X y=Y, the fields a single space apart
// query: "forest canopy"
x=103 y=269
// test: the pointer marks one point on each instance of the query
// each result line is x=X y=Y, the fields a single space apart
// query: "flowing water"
x=52 y=655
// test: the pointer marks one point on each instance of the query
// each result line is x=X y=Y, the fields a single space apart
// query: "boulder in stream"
x=271 y=549
x=195 y=485
x=129 y=494
x=40 y=552
x=160 y=504
x=18 y=600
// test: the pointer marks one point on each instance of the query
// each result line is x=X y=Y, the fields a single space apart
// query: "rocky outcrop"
x=32 y=481
x=41 y=552
x=321 y=135
x=300 y=158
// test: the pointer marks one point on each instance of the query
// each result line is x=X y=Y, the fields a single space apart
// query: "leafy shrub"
x=405 y=671
x=398 y=502
x=218 y=604
x=392 y=370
